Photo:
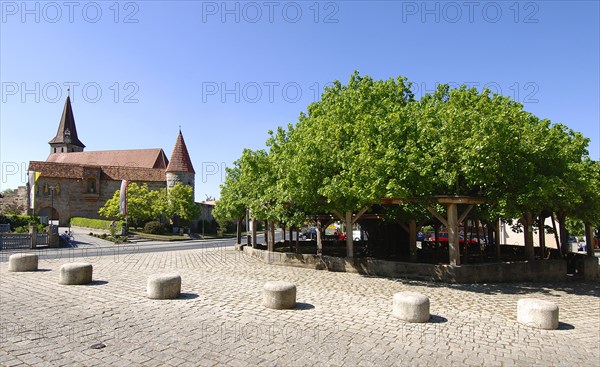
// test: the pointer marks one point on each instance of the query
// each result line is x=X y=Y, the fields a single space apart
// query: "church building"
x=75 y=183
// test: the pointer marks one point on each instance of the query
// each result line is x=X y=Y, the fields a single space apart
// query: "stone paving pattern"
x=341 y=319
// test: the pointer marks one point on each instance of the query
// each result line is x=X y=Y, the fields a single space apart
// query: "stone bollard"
x=411 y=307
x=279 y=295
x=164 y=286
x=22 y=262
x=537 y=313
x=75 y=274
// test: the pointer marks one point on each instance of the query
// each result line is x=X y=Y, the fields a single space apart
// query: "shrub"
x=154 y=227
x=17 y=221
x=95 y=223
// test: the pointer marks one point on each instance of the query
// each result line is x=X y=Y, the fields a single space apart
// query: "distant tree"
x=180 y=202
x=142 y=204
x=231 y=206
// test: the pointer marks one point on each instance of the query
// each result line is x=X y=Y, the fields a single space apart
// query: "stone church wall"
x=75 y=200
x=15 y=202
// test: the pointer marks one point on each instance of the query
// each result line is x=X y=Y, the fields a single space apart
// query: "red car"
x=340 y=236
x=443 y=237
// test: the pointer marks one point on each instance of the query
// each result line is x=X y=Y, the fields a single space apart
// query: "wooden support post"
x=497 y=229
x=349 y=239
x=453 y=243
x=412 y=239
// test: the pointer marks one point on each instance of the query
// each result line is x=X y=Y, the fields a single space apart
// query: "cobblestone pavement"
x=341 y=318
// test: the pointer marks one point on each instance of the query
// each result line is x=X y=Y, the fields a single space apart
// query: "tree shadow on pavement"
x=97 y=282
x=575 y=287
x=301 y=306
x=187 y=296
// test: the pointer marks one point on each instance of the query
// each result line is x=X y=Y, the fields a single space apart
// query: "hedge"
x=94 y=223
x=17 y=221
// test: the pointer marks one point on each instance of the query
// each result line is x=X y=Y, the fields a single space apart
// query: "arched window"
x=91 y=185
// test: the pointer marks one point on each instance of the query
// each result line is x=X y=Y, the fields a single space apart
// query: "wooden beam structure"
x=452 y=221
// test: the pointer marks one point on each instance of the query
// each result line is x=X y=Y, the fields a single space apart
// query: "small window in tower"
x=54 y=150
x=62 y=150
x=72 y=149
x=91 y=185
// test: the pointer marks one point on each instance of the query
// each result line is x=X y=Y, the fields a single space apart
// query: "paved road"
x=87 y=247
x=341 y=318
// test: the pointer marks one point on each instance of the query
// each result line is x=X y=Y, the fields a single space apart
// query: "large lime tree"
x=370 y=139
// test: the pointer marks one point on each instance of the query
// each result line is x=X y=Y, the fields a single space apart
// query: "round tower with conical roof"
x=180 y=168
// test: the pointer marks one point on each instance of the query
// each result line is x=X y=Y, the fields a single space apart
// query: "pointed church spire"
x=180 y=159
x=66 y=136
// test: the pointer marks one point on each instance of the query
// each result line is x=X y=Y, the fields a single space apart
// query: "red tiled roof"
x=67 y=122
x=180 y=159
x=75 y=171
x=141 y=158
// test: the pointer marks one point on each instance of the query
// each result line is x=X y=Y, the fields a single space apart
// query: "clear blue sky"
x=229 y=72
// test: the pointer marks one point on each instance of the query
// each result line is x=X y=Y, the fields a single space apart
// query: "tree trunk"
x=542 y=236
x=291 y=236
x=254 y=244
x=266 y=233
x=239 y=231
x=558 y=246
x=527 y=221
x=453 y=239
x=564 y=244
x=271 y=232
x=248 y=229
x=319 y=238
x=273 y=235
x=349 y=239
x=297 y=240
x=589 y=240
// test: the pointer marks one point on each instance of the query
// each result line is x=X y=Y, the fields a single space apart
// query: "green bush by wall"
x=94 y=223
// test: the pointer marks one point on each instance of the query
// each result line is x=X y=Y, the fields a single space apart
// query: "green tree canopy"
x=371 y=139
x=179 y=202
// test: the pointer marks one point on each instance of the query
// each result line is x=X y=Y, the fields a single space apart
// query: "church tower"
x=66 y=139
x=180 y=167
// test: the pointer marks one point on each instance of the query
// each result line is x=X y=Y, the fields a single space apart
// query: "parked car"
x=443 y=237
x=356 y=235
x=310 y=233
